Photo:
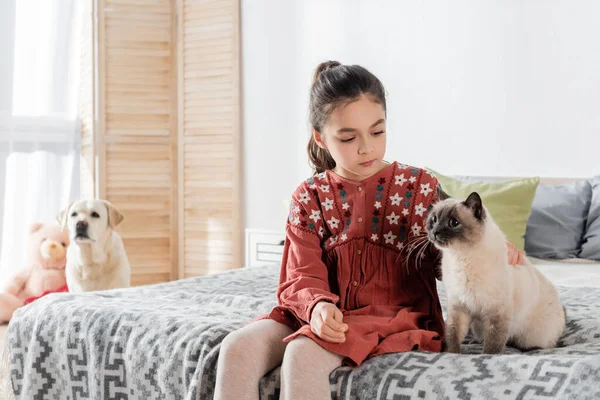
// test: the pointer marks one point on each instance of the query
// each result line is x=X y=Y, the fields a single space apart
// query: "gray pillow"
x=557 y=223
x=590 y=248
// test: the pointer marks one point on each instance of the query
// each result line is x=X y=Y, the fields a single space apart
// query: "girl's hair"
x=333 y=85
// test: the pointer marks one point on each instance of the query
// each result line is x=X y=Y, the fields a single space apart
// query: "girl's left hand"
x=327 y=322
x=515 y=256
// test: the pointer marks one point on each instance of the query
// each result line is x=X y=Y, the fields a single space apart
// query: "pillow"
x=590 y=248
x=509 y=203
x=558 y=220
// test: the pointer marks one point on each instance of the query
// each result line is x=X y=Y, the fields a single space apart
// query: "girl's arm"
x=304 y=277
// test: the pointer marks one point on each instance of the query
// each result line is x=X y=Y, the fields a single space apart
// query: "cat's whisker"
x=411 y=249
x=415 y=238
x=421 y=255
x=417 y=245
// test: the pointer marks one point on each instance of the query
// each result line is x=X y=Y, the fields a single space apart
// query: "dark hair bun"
x=324 y=66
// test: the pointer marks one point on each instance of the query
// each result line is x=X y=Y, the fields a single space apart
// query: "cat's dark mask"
x=451 y=219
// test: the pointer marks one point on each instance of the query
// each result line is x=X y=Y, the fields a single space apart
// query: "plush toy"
x=44 y=272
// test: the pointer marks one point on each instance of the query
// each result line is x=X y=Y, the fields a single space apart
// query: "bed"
x=162 y=341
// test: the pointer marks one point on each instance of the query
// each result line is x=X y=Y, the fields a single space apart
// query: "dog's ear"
x=114 y=216
x=63 y=216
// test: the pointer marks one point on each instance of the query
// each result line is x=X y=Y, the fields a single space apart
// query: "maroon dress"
x=348 y=242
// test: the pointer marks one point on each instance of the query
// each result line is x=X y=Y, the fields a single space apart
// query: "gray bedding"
x=162 y=342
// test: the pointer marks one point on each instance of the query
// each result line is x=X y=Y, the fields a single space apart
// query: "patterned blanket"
x=162 y=342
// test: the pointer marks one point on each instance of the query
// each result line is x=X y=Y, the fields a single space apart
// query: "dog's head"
x=89 y=221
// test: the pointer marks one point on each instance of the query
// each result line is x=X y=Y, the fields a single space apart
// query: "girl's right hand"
x=326 y=322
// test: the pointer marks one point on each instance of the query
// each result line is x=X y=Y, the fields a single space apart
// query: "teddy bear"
x=44 y=272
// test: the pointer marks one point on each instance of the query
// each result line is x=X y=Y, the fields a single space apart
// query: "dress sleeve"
x=304 y=278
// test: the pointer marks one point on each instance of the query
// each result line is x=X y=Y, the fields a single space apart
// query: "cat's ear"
x=441 y=194
x=474 y=203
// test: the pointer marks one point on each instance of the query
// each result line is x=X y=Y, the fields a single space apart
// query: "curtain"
x=39 y=129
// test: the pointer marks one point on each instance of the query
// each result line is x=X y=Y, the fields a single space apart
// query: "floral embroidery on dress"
x=396 y=203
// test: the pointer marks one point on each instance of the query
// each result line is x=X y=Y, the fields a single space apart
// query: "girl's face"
x=354 y=134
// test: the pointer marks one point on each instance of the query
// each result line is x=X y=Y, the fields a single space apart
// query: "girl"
x=349 y=288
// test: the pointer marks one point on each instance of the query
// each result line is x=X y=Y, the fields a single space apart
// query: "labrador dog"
x=96 y=257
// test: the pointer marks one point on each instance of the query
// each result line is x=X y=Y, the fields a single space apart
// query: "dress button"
x=360 y=188
x=355 y=284
x=359 y=251
x=360 y=219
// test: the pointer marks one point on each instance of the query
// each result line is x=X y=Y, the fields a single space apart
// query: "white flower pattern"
x=328 y=204
x=389 y=237
x=425 y=189
x=419 y=209
x=304 y=198
x=400 y=179
x=393 y=218
x=315 y=215
x=333 y=222
x=416 y=229
x=395 y=199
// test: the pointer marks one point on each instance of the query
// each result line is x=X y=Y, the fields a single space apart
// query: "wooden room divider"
x=160 y=112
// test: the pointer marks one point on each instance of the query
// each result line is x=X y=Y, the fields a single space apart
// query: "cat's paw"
x=492 y=349
x=453 y=348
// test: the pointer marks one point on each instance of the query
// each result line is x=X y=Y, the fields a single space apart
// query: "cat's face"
x=453 y=222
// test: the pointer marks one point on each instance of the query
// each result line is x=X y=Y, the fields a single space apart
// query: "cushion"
x=558 y=220
x=509 y=203
x=590 y=247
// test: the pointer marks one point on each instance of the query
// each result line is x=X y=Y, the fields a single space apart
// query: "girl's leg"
x=305 y=370
x=246 y=355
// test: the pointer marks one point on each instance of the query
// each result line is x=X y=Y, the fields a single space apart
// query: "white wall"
x=506 y=88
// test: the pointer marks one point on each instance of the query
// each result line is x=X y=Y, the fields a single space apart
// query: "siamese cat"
x=500 y=302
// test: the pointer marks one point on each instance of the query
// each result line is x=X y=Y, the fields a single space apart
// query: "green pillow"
x=509 y=203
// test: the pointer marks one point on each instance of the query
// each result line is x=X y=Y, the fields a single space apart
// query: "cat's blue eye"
x=434 y=219
x=453 y=222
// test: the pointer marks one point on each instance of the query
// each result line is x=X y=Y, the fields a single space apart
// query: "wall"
x=481 y=88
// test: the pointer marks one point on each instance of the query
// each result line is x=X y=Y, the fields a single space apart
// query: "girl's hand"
x=326 y=322
x=515 y=256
